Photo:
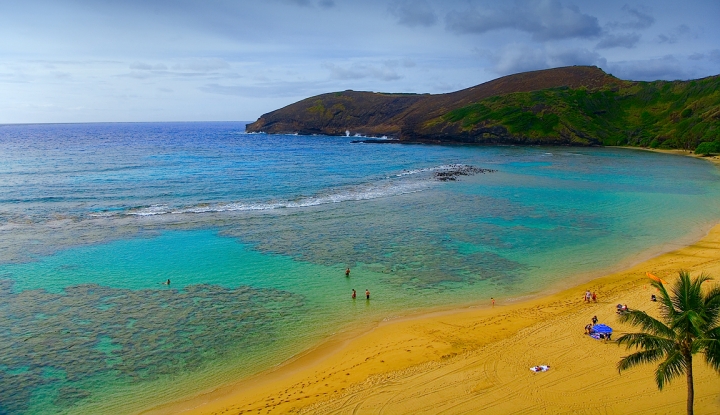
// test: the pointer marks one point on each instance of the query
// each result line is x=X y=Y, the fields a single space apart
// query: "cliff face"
x=566 y=106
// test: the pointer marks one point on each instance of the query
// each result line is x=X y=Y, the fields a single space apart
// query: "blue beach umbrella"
x=601 y=328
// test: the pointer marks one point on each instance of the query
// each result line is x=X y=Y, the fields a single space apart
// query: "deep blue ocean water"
x=255 y=232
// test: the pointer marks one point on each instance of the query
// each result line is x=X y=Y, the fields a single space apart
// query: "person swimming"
x=167 y=282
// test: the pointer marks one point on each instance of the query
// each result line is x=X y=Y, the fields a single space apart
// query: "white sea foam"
x=150 y=210
x=405 y=182
x=355 y=193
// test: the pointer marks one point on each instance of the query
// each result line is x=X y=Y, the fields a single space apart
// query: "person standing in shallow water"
x=367 y=294
x=354 y=294
x=347 y=272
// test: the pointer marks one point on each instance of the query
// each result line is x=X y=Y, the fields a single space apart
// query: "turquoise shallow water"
x=255 y=232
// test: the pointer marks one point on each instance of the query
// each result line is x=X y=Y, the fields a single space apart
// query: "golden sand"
x=478 y=360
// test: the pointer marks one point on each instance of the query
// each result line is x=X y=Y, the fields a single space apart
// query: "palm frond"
x=639 y=358
x=686 y=293
x=667 y=308
x=674 y=366
x=690 y=323
x=712 y=306
x=712 y=348
x=647 y=341
x=646 y=323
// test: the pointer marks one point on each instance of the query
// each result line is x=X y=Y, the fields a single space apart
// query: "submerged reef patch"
x=61 y=341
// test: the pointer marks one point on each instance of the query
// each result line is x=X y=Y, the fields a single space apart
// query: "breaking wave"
x=405 y=182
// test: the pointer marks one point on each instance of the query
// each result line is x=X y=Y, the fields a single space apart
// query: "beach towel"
x=541 y=368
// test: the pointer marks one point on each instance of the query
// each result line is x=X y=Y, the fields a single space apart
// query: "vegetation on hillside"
x=656 y=114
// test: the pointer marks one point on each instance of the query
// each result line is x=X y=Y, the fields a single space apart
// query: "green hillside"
x=651 y=114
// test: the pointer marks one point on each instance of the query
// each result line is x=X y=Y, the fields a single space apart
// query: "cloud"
x=642 y=20
x=413 y=12
x=270 y=89
x=675 y=35
x=361 y=71
x=544 y=19
x=304 y=3
x=517 y=57
x=202 y=65
x=668 y=67
x=624 y=40
x=713 y=56
x=325 y=4
x=141 y=66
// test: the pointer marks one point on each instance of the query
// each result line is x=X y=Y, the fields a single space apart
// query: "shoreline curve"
x=475 y=359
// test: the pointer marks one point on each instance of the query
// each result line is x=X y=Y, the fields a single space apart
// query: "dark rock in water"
x=452 y=172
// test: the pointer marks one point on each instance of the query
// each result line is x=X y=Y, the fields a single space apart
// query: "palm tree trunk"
x=691 y=388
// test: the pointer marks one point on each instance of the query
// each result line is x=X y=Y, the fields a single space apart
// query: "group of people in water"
x=354 y=293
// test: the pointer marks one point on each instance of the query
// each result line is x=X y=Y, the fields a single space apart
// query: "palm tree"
x=691 y=325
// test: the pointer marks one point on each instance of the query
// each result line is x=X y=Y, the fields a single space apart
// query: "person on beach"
x=594 y=297
x=594 y=320
x=354 y=294
x=493 y=301
x=653 y=298
x=367 y=294
x=587 y=296
x=588 y=329
x=347 y=272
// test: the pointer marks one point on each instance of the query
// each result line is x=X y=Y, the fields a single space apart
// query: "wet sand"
x=477 y=360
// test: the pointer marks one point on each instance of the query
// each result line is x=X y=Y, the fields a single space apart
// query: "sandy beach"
x=477 y=360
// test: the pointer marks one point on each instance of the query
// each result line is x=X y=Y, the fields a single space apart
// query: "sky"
x=234 y=60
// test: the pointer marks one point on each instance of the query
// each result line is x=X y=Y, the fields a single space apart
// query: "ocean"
x=255 y=232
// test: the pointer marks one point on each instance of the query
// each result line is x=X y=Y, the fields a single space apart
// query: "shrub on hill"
x=707 y=148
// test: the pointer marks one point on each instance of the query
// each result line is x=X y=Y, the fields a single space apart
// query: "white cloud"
x=202 y=65
x=148 y=67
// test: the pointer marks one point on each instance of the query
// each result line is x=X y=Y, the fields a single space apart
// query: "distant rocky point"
x=577 y=105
